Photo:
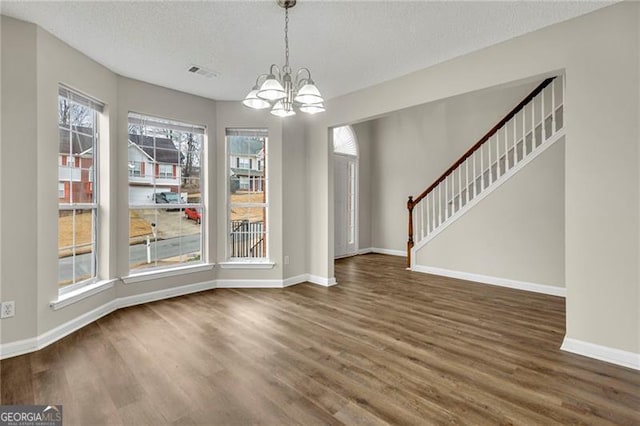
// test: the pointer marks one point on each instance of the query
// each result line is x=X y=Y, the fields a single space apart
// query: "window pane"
x=164 y=237
x=76 y=242
x=247 y=194
x=247 y=237
x=77 y=181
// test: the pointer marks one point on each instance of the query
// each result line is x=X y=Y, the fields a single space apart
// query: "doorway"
x=345 y=169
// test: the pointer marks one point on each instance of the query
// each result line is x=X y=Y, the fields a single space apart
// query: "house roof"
x=245 y=145
x=164 y=151
x=80 y=142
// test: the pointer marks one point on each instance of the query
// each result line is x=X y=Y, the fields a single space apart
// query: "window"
x=165 y=170
x=135 y=168
x=244 y=163
x=344 y=141
x=165 y=193
x=247 y=201
x=77 y=200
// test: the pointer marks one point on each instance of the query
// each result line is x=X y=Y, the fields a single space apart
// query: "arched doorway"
x=345 y=169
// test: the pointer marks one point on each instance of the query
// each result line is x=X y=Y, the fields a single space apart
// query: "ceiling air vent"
x=197 y=69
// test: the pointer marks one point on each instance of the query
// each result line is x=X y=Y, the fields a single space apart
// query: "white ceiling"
x=348 y=45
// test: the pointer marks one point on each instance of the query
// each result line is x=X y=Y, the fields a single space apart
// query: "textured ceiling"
x=348 y=45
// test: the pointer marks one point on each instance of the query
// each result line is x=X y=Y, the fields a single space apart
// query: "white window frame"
x=230 y=205
x=161 y=123
x=162 y=171
x=244 y=163
x=96 y=109
x=136 y=170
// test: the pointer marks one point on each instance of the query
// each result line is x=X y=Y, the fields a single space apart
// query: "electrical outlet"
x=7 y=309
x=286 y=260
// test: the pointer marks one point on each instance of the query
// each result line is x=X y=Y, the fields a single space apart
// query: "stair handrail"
x=411 y=202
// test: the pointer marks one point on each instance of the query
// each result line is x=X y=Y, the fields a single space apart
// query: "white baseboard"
x=602 y=353
x=365 y=250
x=378 y=250
x=138 y=299
x=485 y=279
x=295 y=280
x=326 y=282
x=21 y=347
x=63 y=330
x=249 y=283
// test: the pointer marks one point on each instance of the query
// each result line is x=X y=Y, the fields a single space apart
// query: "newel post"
x=410 y=205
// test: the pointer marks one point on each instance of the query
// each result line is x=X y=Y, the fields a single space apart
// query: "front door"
x=345 y=205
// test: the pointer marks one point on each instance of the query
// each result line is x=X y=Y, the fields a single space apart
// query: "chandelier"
x=278 y=90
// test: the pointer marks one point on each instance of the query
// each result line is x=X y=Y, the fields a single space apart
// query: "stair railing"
x=509 y=142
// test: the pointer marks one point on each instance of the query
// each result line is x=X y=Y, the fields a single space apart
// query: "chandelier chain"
x=286 y=38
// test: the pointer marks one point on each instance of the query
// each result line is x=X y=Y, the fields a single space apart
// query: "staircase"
x=524 y=133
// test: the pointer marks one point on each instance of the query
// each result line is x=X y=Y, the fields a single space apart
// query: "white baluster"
x=466 y=180
x=421 y=205
x=482 y=168
x=490 y=161
x=433 y=211
x=543 y=129
x=524 y=132
x=459 y=186
x=553 y=107
x=506 y=150
x=533 y=124
x=439 y=203
x=515 y=139
x=446 y=198
x=475 y=176
x=564 y=86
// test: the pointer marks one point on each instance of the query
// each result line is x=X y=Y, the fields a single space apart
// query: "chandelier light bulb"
x=279 y=110
x=309 y=94
x=253 y=101
x=271 y=89
x=312 y=108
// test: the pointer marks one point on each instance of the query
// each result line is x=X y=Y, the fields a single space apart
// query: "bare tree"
x=72 y=114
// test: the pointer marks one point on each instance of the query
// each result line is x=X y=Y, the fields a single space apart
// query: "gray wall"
x=411 y=148
x=19 y=136
x=599 y=54
x=34 y=63
x=516 y=232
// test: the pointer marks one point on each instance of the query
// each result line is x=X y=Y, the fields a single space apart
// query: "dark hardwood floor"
x=384 y=346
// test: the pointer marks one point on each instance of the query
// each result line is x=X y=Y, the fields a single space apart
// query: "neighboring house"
x=247 y=163
x=75 y=166
x=154 y=166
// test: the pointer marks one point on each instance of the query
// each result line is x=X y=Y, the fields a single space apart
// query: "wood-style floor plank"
x=385 y=346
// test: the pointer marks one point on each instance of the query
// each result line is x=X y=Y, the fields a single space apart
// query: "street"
x=163 y=249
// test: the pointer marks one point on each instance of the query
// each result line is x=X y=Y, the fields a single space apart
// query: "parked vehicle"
x=193 y=214
x=167 y=198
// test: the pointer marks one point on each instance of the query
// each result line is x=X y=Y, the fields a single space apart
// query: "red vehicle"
x=193 y=214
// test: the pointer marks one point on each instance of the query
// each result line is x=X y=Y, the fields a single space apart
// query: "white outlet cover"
x=8 y=309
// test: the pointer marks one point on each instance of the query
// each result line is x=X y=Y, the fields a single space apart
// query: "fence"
x=247 y=239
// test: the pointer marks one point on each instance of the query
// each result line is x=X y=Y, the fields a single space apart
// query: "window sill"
x=161 y=273
x=247 y=265
x=81 y=293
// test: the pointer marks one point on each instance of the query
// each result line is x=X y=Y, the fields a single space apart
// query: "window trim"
x=246 y=262
x=156 y=122
x=96 y=108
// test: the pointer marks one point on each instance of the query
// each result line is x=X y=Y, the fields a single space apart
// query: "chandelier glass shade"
x=279 y=90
